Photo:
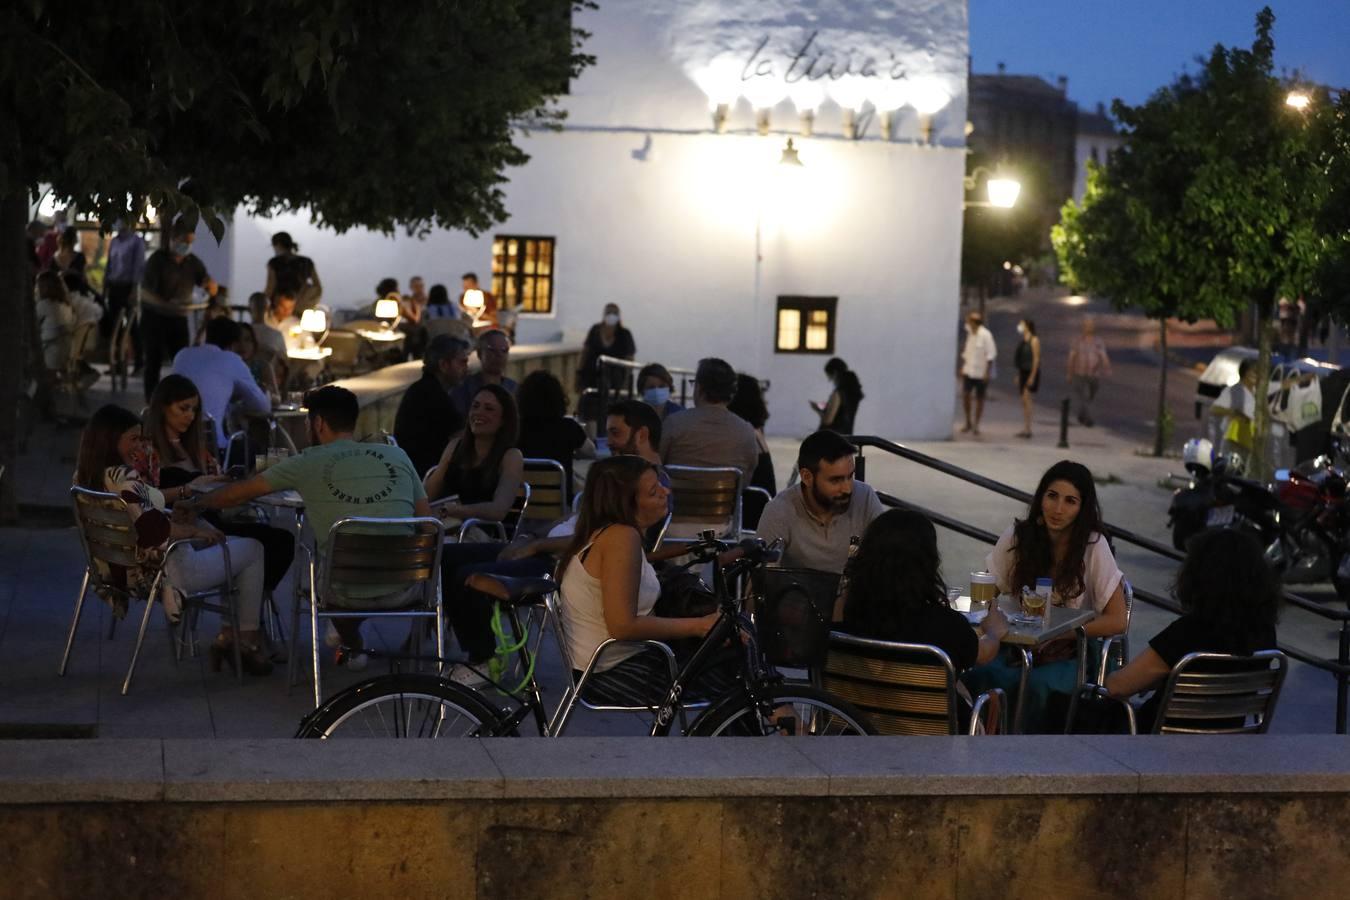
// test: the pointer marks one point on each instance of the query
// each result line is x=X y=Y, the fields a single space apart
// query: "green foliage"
x=379 y=115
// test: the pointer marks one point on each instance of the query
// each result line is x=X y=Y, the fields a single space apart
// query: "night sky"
x=1129 y=48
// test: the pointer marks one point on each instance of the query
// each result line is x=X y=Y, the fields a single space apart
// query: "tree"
x=366 y=114
x=1221 y=195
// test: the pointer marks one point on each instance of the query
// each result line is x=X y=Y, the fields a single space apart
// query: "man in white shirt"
x=221 y=375
x=977 y=362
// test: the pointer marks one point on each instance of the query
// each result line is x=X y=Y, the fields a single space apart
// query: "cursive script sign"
x=812 y=63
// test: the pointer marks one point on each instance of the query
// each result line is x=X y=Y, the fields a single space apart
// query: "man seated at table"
x=710 y=434
x=493 y=349
x=338 y=477
x=426 y=417
x=221 y=375
x=816 y=519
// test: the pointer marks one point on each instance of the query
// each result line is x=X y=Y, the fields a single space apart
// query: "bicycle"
x=762 y=702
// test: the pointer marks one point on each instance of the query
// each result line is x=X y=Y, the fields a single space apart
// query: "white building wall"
x=1084 y=147
x=654 y=211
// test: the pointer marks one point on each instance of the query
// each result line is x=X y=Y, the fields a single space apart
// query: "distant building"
x=1023 y=120
x=1097 y=137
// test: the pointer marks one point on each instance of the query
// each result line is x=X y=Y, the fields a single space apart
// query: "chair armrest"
x=1108 y=643
x=1101 y=692
x=485 y=524
x=998 y=700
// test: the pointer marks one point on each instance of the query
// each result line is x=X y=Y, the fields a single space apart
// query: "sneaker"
x=355 y=660
x=331 y=638
x=467 y=677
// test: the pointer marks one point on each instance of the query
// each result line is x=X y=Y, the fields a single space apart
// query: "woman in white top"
x=609 y=589
x=1062 y=539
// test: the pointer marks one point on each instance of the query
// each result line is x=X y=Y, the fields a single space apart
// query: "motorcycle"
x=1303 y=523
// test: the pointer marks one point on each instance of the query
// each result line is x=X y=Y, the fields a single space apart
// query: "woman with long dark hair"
x=183 y=463
x=111 y=458
x=546 y=431
x=841 y=411
x=748 y=403
x=1062 y=539
x=896 y=593
x=609 y=589
x=1231 y=600
x=480 y=470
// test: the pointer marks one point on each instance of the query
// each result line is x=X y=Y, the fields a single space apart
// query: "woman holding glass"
x=1062 y=539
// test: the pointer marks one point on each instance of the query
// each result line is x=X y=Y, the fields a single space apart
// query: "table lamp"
x=314 y=322
x=387 y=311
x=474 y=303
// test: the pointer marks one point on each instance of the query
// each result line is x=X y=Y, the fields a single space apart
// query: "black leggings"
x=468 y=611
x=644 y=679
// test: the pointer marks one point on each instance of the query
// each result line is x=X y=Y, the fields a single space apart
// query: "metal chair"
x=82 y=342
x=1115 y=649
x=504 y=528
x=706 y=498
x=905 y=688
x=1207 y=692
x=753 y=501
x=362 y=554
x=547 y=479
x=108 y=537
x=574 y=691
x=351 y=354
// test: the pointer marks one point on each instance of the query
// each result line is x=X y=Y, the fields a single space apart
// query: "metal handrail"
x=1338 y=667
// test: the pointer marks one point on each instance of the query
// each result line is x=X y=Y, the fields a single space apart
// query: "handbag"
x=793 y=609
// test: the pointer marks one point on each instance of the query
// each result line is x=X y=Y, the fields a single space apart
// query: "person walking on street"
x=977 y=363
x=1088 y=364
x=1028 y=361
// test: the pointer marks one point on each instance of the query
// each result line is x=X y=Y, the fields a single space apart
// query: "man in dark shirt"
x=426 y=417
x=170 y=275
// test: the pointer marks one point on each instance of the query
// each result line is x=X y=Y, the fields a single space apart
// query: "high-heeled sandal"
x=253 y=658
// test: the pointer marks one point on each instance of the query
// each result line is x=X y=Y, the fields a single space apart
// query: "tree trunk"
x=1259 y=468
x=15 y=309
x=1160 y=434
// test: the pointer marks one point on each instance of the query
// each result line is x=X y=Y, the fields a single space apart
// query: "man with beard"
x=338 y=477
x=816 y=519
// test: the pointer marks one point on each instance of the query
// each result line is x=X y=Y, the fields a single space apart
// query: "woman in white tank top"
x=608 y=588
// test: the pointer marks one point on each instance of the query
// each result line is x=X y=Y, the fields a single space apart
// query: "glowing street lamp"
x=1298 y=100
x=1001 y=188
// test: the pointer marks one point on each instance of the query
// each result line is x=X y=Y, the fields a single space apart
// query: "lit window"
x=522 y=272
x=805 y=324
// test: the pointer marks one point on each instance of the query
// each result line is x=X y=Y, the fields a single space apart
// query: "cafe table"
x=1025 y=638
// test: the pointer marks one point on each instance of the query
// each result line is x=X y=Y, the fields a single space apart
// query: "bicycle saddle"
x=512 y=591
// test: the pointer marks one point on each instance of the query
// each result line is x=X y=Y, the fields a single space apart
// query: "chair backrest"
x=106 y=530
x=553 y=606
x=455 y=327
x=347 y=355
x=362 y=553
x=903 y=688
x=1216 y=693
x=547 y=480
x=706 y=497
x=82 y=342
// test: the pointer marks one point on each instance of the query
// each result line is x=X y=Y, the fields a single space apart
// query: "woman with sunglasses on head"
x=1062 y=538
x=112 y=455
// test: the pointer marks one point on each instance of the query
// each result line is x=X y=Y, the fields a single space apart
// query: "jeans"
x=162 y=336
x=1084 y=392
x=190 y=570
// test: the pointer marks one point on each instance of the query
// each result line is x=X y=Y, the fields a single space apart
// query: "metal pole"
x=1064 y=424
x=1343 y=657
x=860 y=472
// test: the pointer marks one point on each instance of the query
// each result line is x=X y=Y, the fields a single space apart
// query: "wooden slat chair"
x=705 y=498
x=548 y=491
x=362 y=552
x=108 y=536
x=905 y=688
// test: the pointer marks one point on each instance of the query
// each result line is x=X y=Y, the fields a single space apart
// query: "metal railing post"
x=1342 y=676
x=1064 y=424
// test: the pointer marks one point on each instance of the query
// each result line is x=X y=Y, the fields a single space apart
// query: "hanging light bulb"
x=806 y=96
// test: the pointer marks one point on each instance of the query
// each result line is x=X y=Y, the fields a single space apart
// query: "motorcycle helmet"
x=1198 y=455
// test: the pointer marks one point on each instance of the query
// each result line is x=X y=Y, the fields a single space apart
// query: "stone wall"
x=1037 y=817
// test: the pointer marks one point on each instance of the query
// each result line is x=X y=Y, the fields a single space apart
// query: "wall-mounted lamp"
x=764 y=94
x=887 y=97
x=790 y=157
x=850 y=92
x=806 y=96
x=1001 y=188
x=928 y=98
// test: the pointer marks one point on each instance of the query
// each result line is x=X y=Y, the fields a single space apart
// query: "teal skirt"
x=1057 y=680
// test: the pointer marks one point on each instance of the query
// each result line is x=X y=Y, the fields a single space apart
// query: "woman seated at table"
x=546 y=431
x=183 y=462
x=477 y=477
x=896 y=593
x=1061 y=538
x=1231 y=600
x=609 y=589
x=113 y=457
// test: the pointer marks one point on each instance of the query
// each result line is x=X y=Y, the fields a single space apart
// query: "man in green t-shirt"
x=338 y=477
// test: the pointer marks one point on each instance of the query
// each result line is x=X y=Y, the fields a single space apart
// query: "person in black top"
x=1231 y=600
x=426 y=419
x=166 y=291
x=291 y=272
x=546 y=432
x=748 y=403
x=896 y=593
x=840 y=411
x=607 y=337
x=1027 y=360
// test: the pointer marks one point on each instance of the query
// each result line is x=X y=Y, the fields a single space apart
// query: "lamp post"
x=1000 y=187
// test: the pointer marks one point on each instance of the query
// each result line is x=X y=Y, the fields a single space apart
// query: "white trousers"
x=190 y=570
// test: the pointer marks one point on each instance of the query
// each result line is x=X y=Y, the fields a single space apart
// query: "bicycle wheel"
x=402 y=706
x=799 y=710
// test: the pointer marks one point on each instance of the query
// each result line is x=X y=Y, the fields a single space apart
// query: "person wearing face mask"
x=171 y=273
x=607 y=337
x=1028 y=362
x=656 y=385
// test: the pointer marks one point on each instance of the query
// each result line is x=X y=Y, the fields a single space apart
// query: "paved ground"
x=40 y=572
